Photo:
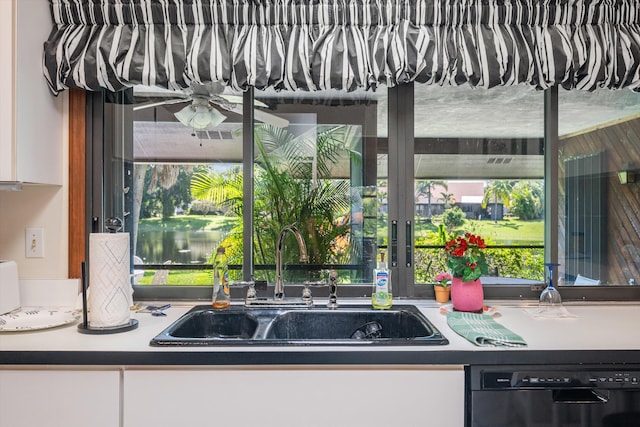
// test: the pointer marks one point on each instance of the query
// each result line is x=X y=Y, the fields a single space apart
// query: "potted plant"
x=467 y=262
x=442 y=287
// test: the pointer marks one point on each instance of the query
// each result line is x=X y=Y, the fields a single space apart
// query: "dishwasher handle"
x=579 y=396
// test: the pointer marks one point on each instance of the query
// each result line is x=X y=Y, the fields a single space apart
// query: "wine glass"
x=550 y=296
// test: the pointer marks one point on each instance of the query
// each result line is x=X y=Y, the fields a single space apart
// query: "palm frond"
x=221 y=189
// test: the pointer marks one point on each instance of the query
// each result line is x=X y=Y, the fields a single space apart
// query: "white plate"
x=35 y=318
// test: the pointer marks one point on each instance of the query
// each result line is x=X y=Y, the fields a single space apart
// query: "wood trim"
x=77 y=181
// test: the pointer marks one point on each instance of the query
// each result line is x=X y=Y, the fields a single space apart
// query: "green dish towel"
x=482 y=330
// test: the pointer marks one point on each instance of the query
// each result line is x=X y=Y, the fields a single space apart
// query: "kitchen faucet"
x=279 y=290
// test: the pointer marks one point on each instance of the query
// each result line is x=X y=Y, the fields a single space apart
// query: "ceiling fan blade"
x=260 y=115
x=270 y=119
x=234 y=99
x=158 y=103
x=237 y=99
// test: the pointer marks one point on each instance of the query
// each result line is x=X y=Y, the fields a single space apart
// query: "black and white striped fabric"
x=343 y=44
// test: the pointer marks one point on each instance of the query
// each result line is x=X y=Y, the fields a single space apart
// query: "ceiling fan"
x=200 y=113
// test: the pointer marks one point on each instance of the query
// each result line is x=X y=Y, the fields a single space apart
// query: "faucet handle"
x=251 y=287
x=306 y=293
x=333 y=290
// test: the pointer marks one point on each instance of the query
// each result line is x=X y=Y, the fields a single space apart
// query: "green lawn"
x=509 y=231
x=181 y=277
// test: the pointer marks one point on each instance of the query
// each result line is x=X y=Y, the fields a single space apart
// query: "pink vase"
x=467 y=296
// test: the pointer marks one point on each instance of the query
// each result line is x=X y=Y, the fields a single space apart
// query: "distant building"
x=466 y=195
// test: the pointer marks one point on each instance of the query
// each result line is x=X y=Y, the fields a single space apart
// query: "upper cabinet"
x=31 y=119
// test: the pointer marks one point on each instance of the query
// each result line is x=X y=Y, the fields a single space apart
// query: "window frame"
x=86 y=132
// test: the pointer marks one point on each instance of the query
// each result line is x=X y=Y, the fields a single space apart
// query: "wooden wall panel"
x=77 y=181
x=621 y=142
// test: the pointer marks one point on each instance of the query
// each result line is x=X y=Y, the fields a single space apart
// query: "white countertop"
x=595 y=327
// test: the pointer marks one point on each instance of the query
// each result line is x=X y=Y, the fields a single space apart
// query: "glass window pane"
x=319 y=170
x=187 y=149
x=599 y=157
x=479 y=168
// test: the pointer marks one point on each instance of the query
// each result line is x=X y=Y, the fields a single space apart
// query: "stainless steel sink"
x=347 y=325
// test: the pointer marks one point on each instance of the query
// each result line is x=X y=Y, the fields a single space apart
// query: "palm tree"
x=426 y=187
x=497 y=190
x=446 y=198
x=292 y=185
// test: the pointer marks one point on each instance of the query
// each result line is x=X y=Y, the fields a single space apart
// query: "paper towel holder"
x=133 y=324
x=113 y=225
x=84 y=327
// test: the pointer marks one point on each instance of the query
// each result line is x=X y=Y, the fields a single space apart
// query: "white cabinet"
x=295 y=396
x=31 y=118
x=265 y=396
x=59 y=398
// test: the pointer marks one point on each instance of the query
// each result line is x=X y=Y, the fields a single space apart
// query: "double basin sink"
x=346 y=325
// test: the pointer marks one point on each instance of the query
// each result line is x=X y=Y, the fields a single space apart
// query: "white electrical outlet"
x=34 y=242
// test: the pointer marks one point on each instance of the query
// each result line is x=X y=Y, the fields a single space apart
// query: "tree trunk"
x=139 y=172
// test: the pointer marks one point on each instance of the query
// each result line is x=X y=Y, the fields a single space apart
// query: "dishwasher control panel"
x=509 y=380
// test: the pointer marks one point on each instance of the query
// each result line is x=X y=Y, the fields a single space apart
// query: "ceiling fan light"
x=216 y=117
x=200 y=117
x=201 y=120
x=185 y=116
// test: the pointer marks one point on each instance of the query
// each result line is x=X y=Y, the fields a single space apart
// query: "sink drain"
x=368 y=330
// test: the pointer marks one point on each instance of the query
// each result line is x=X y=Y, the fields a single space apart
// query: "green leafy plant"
x=293 y=185
x=465 y=257
x=527 y=200
x=443 y=279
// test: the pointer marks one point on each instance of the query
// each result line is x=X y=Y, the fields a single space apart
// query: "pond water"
x=180 y=247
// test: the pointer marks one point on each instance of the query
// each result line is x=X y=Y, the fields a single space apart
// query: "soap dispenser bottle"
x=221 y=297
x=381 y=295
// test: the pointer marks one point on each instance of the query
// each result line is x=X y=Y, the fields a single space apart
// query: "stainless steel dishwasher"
x=553 y=395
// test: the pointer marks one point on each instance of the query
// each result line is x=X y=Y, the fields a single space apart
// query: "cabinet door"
x=295 y=397
x=57 y=398
x=31 y=119
x=7 y=158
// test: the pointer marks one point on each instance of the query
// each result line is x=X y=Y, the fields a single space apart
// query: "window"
x=313 y=164
x=320 y=172
x=400 y=167
x=479 y=168
x=599 y=143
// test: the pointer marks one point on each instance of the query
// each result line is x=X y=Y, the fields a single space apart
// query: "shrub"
x=202 y=207
x=453 y=218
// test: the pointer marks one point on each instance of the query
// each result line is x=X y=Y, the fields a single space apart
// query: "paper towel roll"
x=110 y=291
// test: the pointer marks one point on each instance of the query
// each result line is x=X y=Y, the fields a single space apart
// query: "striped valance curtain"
x=343 y=44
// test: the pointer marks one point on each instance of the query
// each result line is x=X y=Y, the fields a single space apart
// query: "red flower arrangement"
x=465 y=257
